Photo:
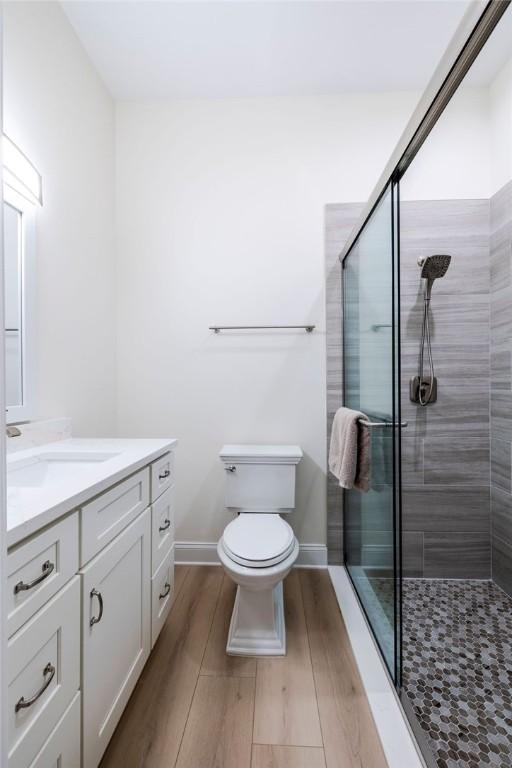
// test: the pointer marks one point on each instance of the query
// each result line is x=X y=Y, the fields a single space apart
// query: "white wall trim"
x=205 y=553
x=398 y=742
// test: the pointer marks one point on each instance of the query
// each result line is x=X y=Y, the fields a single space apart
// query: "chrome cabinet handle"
x=164 y=475
x=23 y=703
x=167 y=524
x=47 y=569
x=96 y=619
x=167 y=589
x=230 y=468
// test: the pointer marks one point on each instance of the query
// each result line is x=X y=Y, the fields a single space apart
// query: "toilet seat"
x=258 y=540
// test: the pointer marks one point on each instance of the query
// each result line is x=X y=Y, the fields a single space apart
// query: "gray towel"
x=350 y=450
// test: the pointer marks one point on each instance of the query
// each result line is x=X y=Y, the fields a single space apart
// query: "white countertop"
x=30 y=508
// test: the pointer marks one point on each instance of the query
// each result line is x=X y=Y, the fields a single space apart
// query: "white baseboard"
x=395 y=733
x=205 y=553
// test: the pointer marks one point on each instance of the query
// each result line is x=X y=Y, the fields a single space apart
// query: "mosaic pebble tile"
x=457 y=669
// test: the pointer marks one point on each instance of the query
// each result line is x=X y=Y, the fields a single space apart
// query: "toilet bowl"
x=258 y=548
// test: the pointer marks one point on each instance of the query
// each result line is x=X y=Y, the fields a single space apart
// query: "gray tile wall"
x=446 y=509
x=501 y=387
x=446 y=462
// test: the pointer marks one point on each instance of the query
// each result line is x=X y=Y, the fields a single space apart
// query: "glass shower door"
x=371 y=385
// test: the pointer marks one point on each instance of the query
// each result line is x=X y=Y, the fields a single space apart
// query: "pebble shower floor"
x=457 y=669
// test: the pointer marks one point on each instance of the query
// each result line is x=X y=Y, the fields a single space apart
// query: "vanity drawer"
x=162 y=522
x=62 y=748
x=43 y=664
x=162 y=593
x=106 y=516
x=38 y=568
x=162 y=475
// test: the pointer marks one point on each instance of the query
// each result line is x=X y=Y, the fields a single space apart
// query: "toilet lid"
x=258 y=540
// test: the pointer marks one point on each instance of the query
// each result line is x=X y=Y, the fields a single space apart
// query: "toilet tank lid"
x=285 y=454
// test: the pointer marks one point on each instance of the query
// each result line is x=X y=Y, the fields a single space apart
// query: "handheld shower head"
x=424 y=391
x=433 y=267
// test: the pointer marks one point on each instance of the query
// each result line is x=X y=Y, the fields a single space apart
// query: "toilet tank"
x=260 y=478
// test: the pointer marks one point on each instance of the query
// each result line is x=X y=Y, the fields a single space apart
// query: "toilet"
x=258 y=548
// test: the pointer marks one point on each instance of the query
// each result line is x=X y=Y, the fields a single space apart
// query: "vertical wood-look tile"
x=349 y=733
x=286 y=709
x=272 y=756
x=219 y=726
x=150 y=731
x=216 y=661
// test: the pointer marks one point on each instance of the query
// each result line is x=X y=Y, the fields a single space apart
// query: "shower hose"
x=425 y=338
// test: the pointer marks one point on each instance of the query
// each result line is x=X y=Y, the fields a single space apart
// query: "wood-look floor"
x=196 y=707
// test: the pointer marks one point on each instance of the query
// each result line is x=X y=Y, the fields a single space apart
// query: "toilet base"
x=257 y=625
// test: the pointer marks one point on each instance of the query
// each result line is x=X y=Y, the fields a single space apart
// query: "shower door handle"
x=382 y=424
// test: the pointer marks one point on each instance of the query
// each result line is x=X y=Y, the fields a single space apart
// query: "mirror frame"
x=19 y=413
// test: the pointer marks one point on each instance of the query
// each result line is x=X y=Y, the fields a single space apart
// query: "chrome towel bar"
x=366 y=423
x=218 y=328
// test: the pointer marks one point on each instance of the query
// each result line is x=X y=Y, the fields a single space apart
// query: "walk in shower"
x=424 y=306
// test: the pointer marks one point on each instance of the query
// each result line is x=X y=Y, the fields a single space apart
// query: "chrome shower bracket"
x=416 y=386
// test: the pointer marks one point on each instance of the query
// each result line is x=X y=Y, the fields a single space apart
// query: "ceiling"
x=159 y=50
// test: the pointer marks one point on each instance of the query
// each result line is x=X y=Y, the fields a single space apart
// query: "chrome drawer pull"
x=24 y=703
x=164 y=475
x=167 y=524
x=47 y=569
x=166 y=591
x=96 y=619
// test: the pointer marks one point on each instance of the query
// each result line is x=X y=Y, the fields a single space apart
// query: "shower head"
x=433 y=267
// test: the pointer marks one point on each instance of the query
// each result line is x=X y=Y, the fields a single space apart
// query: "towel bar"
x=219 y=328
x=366 y=423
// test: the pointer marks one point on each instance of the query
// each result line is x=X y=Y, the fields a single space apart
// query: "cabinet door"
x=38 y=568
x=43 y=671
x=162 y=594
x=162 y=475
x=162 y=537
x=116 y=629
x=62 y=749
x=103 y=518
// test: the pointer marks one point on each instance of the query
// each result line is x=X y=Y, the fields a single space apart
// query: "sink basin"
x=56 y=467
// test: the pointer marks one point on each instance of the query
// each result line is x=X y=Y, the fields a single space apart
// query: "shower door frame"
x=396 y=416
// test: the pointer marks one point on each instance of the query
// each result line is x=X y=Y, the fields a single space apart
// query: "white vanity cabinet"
x=116 y=620
x=88 y=595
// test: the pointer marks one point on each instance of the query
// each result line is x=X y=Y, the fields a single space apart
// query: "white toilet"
x=259 y=548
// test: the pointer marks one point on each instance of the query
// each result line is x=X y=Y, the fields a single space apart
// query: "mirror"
x=18 y=276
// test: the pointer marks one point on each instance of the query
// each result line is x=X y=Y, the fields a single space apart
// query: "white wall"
x=455 y=160
x=220 y=219
x=500 y=103
x=469 y=152
x=58 y=111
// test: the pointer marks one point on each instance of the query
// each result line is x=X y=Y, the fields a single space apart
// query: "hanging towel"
x=350 y=450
